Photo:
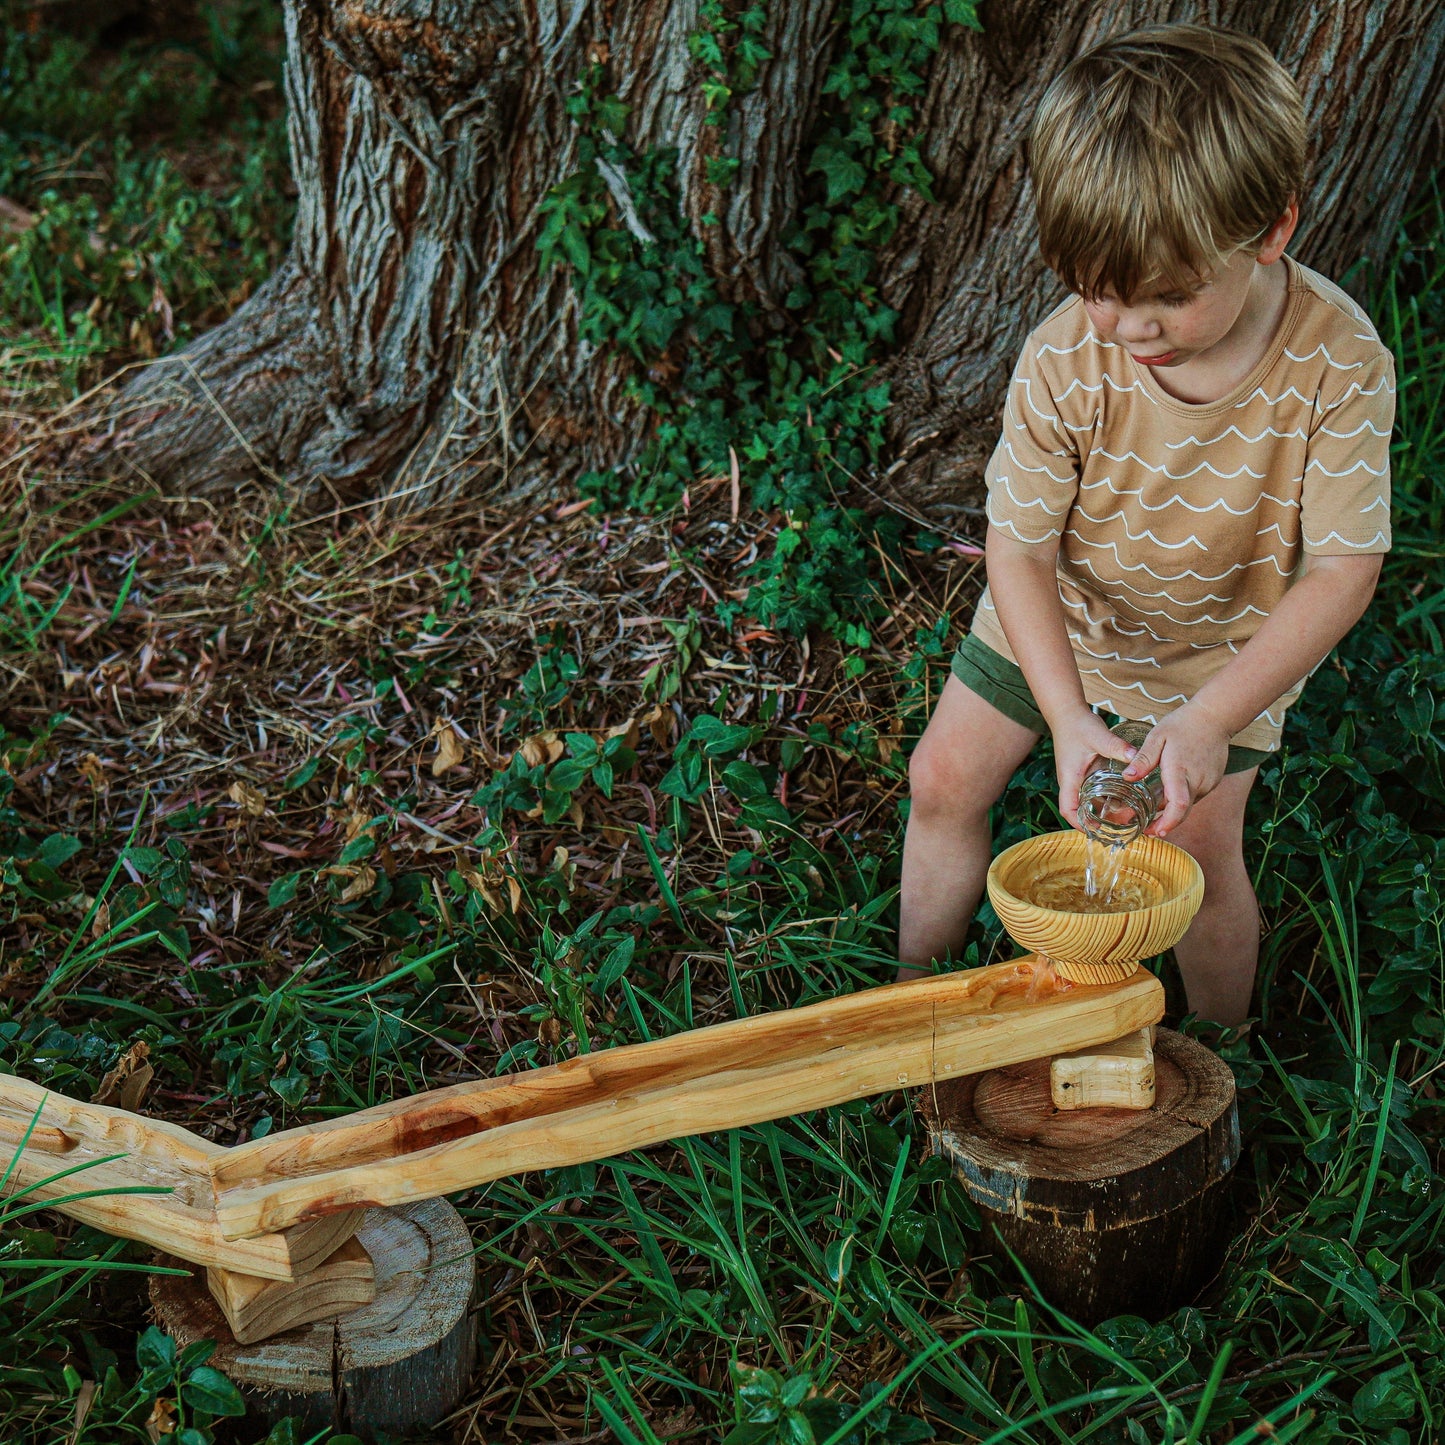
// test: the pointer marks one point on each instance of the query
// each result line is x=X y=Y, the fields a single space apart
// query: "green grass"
x=157 y=179
x=815 y=1279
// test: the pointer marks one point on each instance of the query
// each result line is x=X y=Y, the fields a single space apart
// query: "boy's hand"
x=1190 y=749
x=1077 y=742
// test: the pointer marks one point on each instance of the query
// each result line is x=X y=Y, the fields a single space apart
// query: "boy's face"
x=1170 y=328
x=1173 y=327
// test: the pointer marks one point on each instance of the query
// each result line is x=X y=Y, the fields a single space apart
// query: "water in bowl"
x=1103 y=885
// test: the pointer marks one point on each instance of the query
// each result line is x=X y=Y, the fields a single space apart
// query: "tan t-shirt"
x=1183 y=525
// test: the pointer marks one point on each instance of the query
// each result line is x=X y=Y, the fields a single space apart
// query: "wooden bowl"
x=1095 y=947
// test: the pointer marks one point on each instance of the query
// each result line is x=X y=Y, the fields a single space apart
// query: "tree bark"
x=410 y=344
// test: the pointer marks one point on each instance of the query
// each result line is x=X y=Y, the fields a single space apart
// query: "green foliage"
x=794 y=409
x=817 y=1278
x=128 y=252
x=774 y=1409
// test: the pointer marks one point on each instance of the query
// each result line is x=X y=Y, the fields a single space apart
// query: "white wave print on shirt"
x=1315 y=464
x=1066 y=480
x=1322 y=350
x=1078 y=642
x=1380 y=536
x=1003 y=481
x=1146 y=535
x=1206 y=620
x=1134 y=686
x=1268 y=558
x=1168 y=596
x=1242 y=471
x=1269 y=431
x=1217 y=505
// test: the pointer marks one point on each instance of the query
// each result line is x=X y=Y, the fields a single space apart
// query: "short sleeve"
x=1345 y=494
x=1033 y=475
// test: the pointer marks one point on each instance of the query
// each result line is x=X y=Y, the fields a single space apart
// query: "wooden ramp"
x=275 y=1207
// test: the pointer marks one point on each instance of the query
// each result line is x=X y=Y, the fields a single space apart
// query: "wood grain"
x=255 y=1309
x=1109 y=1210
x=1094 y=948
x=141 y=1179
x=726 y=1076
x=276 y=1207
x=1119 y=1074
x=396 y=1365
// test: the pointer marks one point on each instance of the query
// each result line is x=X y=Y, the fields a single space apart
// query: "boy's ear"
x=1272 y=244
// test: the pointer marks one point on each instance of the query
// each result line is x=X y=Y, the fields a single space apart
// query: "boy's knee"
x=939 y=784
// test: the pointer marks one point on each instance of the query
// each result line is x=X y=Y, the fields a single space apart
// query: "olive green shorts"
x=1000 y=683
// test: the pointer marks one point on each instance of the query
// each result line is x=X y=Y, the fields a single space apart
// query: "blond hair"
x=1159 y=153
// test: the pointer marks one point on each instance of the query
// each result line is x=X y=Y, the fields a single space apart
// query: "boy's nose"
x=1136 y=328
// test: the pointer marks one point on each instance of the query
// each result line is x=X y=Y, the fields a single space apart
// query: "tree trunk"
x=411 y=344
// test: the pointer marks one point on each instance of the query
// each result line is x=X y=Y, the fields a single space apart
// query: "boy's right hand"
x=1078 y=740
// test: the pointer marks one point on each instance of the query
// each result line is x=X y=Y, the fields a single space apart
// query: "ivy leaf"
x=962 y=12
x=58 y=848
x=602 y=776
x=843 y=173
x=616 y=964
x=145 y=861
x=1385 y=1398
x=303 y=774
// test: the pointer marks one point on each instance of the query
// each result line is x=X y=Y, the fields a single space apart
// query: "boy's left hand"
x=1191 y=751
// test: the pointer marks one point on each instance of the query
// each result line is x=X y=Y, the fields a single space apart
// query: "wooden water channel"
x=275 y=1222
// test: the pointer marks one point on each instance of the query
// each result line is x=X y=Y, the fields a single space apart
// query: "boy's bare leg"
x=1219 y=954
x=957 y=772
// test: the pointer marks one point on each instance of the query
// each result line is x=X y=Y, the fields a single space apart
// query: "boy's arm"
x=1025 y=588
x=1191 y=745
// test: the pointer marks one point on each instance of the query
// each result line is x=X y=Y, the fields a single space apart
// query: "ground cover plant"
x=304 y=808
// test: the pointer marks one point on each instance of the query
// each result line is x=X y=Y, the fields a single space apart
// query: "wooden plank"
x=725 y=1076
x=256 y=1308
x=1116 y=1075
x=140 y=1179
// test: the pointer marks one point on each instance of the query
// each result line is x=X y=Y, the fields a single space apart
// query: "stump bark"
x=394 y=1366
x=1111 y=1211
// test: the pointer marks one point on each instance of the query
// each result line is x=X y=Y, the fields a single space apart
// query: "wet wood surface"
x=277 y=1207
x=726 y=1076
x=142 y=1179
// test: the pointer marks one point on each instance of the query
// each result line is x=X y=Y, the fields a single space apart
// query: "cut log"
x=1117 y=1075
x=395 y=1366
x=142 y=1179
x=256 y=1309
x=1111 y=1211
x=725 y=1076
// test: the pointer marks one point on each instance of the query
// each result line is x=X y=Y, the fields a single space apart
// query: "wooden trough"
x=272 y=1222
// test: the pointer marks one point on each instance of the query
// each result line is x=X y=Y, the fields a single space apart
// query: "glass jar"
x=1112 y=809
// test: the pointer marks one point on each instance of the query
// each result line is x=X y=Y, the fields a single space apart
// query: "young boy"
x=1190 y=496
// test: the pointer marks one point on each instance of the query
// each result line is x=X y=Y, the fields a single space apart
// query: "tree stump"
x=1111 y=1211
x=394 y=1366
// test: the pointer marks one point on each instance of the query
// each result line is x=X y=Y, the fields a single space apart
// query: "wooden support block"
x=142 y=1179
x=1116 y=1075
x=256 y=1308
x=725 y=1076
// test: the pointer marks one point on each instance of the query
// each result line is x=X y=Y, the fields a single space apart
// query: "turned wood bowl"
x=1095 y=947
